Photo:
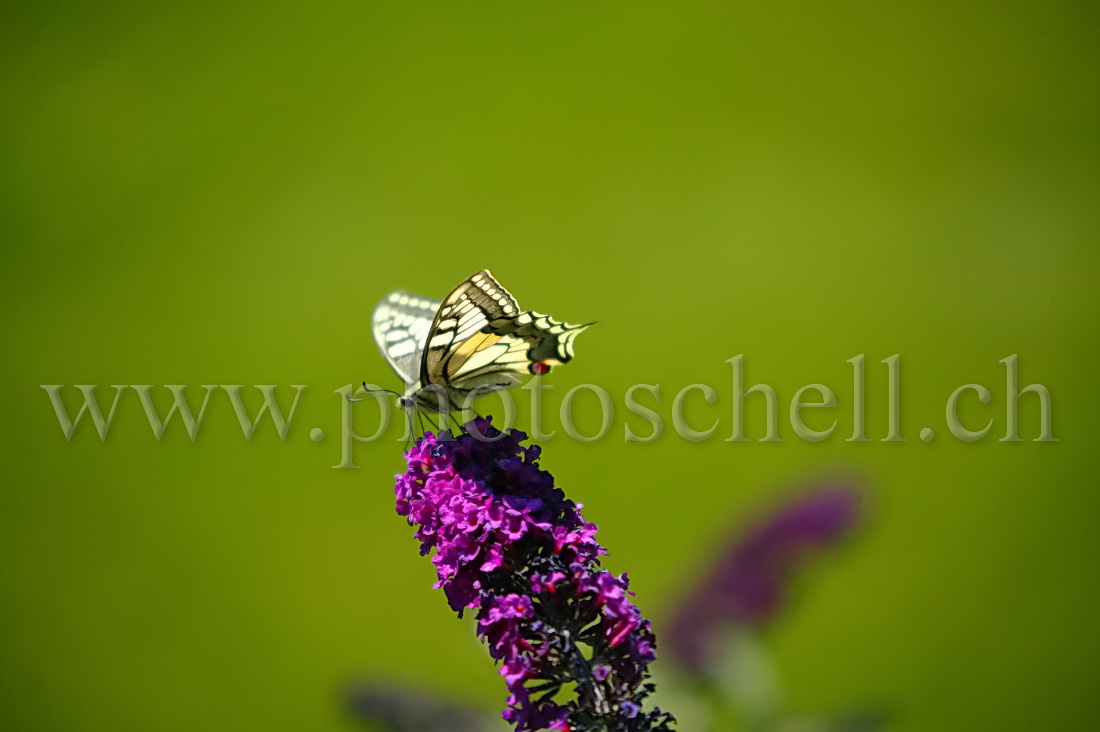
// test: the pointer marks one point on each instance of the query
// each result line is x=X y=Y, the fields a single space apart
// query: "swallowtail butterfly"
x=476 y=338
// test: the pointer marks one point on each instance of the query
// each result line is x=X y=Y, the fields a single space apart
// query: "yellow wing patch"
x=466 y=349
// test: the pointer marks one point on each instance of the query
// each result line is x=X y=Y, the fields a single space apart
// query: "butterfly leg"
x=433 y=423
x=467 y=413
x=409 y=435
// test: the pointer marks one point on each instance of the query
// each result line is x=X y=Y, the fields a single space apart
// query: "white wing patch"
x=400 y=324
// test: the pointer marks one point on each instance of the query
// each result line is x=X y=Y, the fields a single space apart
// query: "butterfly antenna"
x=372 y=394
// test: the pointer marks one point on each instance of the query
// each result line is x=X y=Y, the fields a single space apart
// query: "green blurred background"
x=219 y=193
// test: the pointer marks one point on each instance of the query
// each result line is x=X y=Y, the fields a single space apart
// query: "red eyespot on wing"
x=539 y=367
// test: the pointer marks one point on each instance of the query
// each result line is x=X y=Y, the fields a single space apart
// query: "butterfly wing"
x=400 y=323
x=486 y=359
x=481 y=338
x=526 y=343
x=456 y=331
x=549 y=341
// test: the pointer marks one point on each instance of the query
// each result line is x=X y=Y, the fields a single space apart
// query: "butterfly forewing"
x=401 y=323
x=464 y=313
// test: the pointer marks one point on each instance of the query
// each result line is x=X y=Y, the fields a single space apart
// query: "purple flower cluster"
x=746 y=584
x=509 y=543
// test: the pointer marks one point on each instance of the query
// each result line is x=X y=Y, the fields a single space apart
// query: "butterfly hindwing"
x=549 y=341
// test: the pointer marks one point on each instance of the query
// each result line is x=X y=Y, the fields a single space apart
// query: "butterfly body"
x=474 y=340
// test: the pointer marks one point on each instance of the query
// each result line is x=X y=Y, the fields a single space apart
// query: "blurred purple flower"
x=747 y=584
x=510 y=544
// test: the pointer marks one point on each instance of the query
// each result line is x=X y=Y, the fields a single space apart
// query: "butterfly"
x=475 y=340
